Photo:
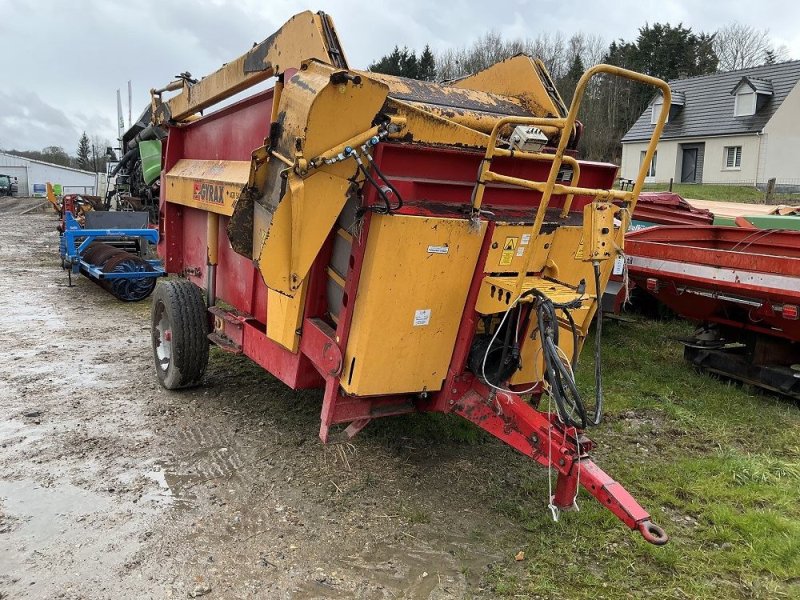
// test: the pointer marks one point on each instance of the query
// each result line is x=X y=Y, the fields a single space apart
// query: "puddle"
x=412 y=571
x=162 y=495
x=43 y=517
x=17 y=431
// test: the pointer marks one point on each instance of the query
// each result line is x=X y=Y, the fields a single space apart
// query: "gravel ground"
x=112 y=487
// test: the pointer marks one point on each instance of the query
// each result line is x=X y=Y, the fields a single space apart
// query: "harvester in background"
x=406 y=246
x=134 y=183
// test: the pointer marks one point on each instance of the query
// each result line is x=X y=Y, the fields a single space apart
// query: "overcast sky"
x=62 y=60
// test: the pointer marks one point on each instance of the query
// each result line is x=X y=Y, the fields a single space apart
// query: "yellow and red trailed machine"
x=407 y=246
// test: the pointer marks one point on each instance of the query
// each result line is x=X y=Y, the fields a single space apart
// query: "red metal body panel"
x=447 y=176
x=666 y=208
x=737 y=277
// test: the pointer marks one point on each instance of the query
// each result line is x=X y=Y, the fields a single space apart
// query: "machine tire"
x=179 y=333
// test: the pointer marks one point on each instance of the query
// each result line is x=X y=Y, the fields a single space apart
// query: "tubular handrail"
x=566 y=125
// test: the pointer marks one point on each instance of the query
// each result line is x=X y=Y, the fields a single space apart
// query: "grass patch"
x=728 y=193
x=716 y=464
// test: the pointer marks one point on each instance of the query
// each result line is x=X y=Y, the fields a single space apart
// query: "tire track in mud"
x=225 y=485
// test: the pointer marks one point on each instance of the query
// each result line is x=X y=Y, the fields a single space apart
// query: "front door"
x=689 y=165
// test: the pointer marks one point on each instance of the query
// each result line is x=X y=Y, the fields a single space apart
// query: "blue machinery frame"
x=75 y=240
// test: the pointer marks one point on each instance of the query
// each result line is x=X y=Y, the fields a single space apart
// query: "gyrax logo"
x=210 y=193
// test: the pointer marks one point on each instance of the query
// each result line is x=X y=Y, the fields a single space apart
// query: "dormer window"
x=658 y=104
x=750 y=95
x=678 y=100
x=745 y=103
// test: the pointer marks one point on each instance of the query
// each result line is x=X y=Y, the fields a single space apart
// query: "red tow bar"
x=566 y=450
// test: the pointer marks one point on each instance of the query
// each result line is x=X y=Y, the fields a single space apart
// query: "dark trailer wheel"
x=179 y=328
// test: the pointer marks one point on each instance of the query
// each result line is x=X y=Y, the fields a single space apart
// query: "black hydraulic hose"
x=388 y=184
x=388 y=206
x=558 y=375
x=126 y=158
x=574 y=329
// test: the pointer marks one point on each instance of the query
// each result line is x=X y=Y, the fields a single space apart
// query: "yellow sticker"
x=509 y=247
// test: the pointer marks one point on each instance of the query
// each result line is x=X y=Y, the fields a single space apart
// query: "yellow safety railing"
x=550 y=187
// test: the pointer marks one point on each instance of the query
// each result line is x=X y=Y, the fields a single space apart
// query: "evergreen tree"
x=409 y=67
x=570 y=80
x=84 y=152
x=404 y=63
x=427 y=65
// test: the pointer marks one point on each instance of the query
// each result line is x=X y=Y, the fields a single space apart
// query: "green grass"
x=716 y=464
x=728 y=193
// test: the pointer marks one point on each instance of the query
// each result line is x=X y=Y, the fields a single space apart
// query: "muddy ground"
x=112 y=487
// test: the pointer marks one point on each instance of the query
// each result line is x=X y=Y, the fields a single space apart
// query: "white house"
x=740 y=127
x=33 y=175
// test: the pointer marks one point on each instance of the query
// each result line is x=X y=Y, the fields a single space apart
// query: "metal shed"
x=32 y=175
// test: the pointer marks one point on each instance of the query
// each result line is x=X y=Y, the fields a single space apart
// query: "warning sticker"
x=438 y=249
x=619 y=265
x=526 y=239
x=520 y=250
x=422 y=317
x=509 y=248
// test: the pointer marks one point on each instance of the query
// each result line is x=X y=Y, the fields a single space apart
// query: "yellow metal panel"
x=414 y=283
x=497 y=293
x=316 y=115
x=508 y=244
x=299 y=227
x=598 y=236
x=522 y=78
x=284 y=318
x=212 y=185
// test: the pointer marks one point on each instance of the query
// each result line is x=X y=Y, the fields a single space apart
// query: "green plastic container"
x=725 y=221
x=150 y=153
x=774 y=221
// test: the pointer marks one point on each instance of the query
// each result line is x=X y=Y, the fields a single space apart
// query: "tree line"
x=611 y=105
x=92 y=154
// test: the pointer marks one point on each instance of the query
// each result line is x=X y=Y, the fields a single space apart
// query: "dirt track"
x=112 y=487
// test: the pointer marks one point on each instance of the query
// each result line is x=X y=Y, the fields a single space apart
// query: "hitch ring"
x=653 y=533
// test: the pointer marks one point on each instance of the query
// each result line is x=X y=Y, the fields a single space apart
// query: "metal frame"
x=75 y=239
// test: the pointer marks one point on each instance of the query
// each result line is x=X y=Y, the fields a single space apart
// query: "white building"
x=740 y=127
x=33 y=175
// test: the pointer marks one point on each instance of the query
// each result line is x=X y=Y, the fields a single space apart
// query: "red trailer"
x=741 y=285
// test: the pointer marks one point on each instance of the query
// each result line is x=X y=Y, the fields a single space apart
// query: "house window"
x=733 y=157
x=651 y=170
x=656 y=111
x=745 y=103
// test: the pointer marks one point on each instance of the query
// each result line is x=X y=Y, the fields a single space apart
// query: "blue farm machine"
x=109 y=247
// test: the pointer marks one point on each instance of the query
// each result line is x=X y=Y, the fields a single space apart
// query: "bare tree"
x=740 y=46
x=553 y=48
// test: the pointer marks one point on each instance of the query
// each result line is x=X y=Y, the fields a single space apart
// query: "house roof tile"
x=708 y=108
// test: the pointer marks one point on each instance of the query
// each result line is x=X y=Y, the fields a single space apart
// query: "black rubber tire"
x=179 y=307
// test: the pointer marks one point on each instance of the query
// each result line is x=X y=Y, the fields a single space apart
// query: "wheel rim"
x=162 y=338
